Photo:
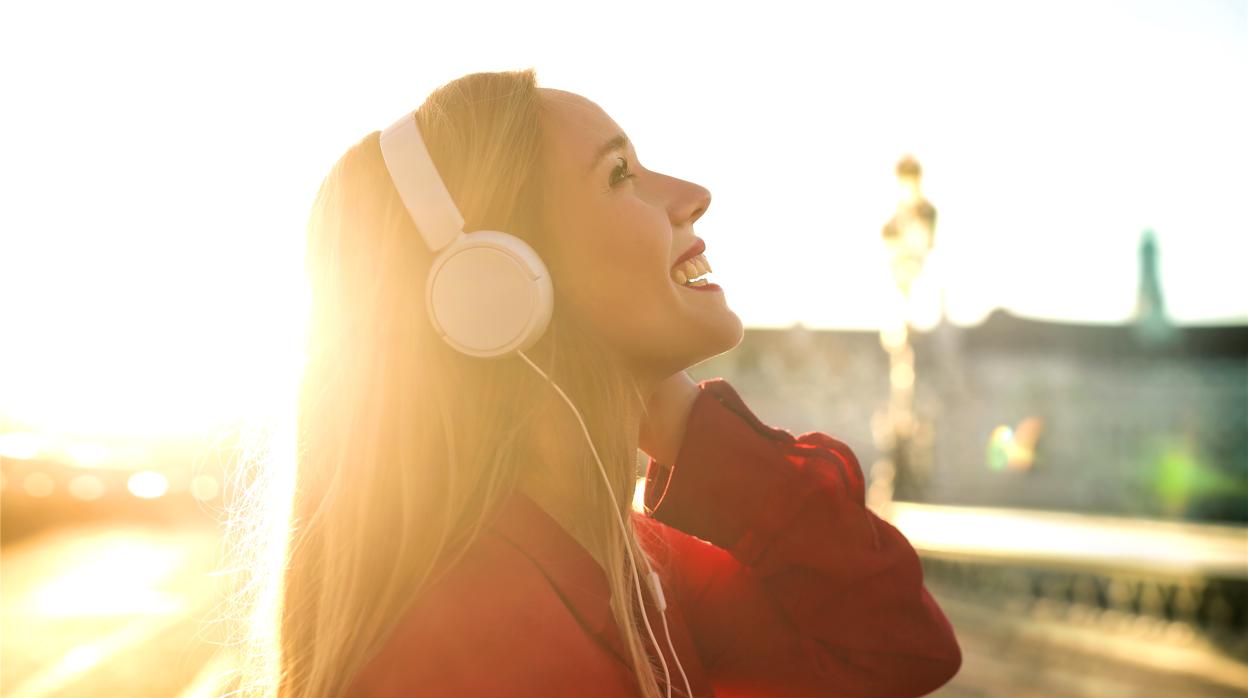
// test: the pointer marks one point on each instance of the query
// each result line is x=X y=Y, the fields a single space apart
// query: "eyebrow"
x=620 y=142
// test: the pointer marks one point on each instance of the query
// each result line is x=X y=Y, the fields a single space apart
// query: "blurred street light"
x=908 y=236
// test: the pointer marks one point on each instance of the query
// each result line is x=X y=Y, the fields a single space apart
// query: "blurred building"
x=1028 y=413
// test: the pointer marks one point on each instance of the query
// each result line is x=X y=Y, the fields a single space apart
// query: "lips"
x=698 y=247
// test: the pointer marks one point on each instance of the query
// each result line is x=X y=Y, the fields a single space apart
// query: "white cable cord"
x=668 y=633
x=667 y=678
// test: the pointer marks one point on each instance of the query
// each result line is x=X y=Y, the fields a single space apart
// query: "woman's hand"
x=663 y=429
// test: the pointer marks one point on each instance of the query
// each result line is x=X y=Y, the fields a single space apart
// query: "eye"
x=620 y=173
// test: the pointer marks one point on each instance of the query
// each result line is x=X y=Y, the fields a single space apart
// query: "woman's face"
x=616 y=232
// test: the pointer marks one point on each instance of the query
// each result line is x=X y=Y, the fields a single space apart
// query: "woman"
x=452 y=534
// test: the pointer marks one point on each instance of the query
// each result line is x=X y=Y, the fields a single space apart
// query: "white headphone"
x=488 y=295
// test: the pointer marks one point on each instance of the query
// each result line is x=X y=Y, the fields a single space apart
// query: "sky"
x=159 y=160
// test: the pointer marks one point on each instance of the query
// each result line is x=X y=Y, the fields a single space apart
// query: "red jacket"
x=779 y=582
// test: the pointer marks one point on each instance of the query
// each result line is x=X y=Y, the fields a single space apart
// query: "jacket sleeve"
x=790 y=586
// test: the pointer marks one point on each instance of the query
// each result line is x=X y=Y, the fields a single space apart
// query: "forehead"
x=575 y=127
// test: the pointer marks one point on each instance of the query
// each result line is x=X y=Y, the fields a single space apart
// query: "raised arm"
x=791 y=587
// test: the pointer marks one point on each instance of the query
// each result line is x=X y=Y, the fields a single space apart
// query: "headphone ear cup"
x=489 y=294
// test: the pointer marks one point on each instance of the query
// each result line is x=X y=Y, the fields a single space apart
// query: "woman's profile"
x=463 y=525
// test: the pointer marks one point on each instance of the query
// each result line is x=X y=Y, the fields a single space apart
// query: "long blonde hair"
x=406 y=447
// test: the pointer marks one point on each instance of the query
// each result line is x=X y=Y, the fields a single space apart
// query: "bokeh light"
x=148 y=484
x=39 y=485
x=88 y=488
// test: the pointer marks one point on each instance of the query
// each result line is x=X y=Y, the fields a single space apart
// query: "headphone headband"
x=420 y=187
x=488 y=293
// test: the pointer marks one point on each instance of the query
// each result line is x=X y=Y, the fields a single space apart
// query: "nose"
x=689 y=201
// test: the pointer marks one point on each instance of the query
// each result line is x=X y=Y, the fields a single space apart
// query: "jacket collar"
x=574 y=574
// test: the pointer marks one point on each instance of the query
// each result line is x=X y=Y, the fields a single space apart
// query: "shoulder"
x=461 y=636
x=490 y=580
x=449 y=636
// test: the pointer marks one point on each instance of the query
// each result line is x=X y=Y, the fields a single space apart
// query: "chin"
x=734 y=332
x=721 y=337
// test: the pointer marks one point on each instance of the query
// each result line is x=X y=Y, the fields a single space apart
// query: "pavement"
x=111 y=609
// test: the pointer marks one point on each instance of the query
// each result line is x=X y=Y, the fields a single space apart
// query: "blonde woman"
x=453 y=531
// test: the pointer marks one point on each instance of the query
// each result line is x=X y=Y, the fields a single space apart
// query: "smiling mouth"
x=690 y=272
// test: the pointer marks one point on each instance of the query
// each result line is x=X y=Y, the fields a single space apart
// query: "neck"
x=558 y=442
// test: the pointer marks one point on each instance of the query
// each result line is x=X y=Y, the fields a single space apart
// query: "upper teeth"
x=691 y=269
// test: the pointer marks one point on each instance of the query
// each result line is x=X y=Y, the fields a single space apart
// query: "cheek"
x=636 y=249
x=619 y=270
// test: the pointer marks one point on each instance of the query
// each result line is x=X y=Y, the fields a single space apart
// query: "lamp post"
x=908 y=236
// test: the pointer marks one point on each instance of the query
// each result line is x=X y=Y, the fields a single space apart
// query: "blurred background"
x=998 y=248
